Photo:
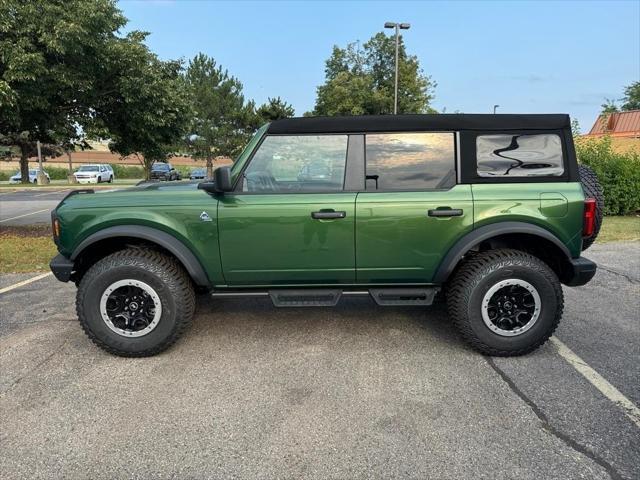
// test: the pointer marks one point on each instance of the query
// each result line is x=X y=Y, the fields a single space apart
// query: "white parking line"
x=25 y=215
x=598 y=381
x=24 y=282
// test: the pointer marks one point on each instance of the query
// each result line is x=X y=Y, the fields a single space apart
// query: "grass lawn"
x=26 y=249
x=30 y=248
x=619 y=228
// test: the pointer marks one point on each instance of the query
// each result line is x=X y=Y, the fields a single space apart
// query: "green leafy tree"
x=631 y=100
x=631 y=97
x=609 y=106
x=221 y=120
x=65 y=71
x=360 y=81
x=274 y=109
x=146 y=111
x=50 y=52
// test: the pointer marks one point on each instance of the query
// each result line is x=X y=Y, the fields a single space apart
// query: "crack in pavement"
x=615 y=272
x=547 y=426
x=32 y=370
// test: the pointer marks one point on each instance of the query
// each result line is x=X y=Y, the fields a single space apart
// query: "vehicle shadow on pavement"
x=356 y=316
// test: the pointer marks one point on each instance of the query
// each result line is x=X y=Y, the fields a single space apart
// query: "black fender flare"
x=184 y=255
x=463 y=245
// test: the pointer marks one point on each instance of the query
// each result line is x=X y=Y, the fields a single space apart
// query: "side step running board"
x=403 y=296
x=305 y=297
x=329 y=297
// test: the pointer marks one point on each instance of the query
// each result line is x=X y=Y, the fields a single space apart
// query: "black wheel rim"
x=130 y=308
x=511 y=307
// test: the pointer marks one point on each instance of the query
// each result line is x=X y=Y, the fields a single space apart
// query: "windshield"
x=242 y=158
x=160 y=166
x=88 y=168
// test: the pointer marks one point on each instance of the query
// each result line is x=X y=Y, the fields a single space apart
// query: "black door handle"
x=445 y=212
x=327 y=214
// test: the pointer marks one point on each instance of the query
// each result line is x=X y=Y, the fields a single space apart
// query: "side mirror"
x=221 y=181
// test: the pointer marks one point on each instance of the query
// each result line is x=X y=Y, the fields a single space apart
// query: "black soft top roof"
x=431 y=122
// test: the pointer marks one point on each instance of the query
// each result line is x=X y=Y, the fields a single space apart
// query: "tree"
x=631 y=100
x=66 y=71
x=631 y=97
x=274 y=109
x=49 y=54
x=609 y=106
x=146 y=111
x=360 y=81
x=221 y=121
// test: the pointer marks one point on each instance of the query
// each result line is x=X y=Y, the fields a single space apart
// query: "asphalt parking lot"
x=350 y=392
x=30 y=206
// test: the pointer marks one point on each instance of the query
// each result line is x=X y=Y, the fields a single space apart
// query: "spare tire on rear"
x=592 y=189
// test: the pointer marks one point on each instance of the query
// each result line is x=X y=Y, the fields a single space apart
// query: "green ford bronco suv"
x=490 y=212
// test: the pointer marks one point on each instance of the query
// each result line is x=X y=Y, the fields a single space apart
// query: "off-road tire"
x=592 y=189
x=164 y=274
x=477 y=275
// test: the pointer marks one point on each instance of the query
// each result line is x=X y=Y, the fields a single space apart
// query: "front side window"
x=410 y=161
x=297 y=163
x=519 y=155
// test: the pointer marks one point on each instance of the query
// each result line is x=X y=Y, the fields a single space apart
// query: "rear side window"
x=297 y=163
x=519 y=155
x=410 y=161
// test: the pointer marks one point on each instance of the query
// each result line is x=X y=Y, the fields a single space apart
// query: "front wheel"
x=135 y=303
x=505 y=302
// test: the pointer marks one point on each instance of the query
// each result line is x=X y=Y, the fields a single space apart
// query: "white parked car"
x=94 y=174
x=33 y=176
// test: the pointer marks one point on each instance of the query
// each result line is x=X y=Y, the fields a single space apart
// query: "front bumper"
x=87 y=180
x=61 y=267
x=583 y=271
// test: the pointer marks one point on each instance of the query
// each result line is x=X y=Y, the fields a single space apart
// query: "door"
x=290 y=222
x=412 y=211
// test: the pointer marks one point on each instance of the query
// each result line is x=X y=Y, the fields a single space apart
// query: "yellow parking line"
x=24 y=282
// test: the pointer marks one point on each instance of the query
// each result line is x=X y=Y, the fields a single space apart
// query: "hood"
x=151 y=194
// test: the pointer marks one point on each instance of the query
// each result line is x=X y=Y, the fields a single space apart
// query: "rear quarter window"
x=519 y=155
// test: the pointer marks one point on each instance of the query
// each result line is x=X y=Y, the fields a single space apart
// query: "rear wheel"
x=135 y=303
x=505 y=302
x=111 y=179
x=592 y=189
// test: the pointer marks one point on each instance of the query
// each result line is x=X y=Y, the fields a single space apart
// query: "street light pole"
x=397 y=26
x=495 y=107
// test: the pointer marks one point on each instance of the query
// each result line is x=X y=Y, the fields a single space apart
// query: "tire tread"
x=472 y=272
x=168 y=269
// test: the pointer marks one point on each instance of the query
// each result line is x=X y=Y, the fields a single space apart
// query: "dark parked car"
x=198 y=174
x=163 y=171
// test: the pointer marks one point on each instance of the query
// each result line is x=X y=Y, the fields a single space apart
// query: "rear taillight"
x=589 y=218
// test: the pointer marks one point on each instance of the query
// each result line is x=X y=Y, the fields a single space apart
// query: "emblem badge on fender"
x=204 y=216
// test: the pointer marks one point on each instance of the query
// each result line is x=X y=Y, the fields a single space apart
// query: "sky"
x=526 y=56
